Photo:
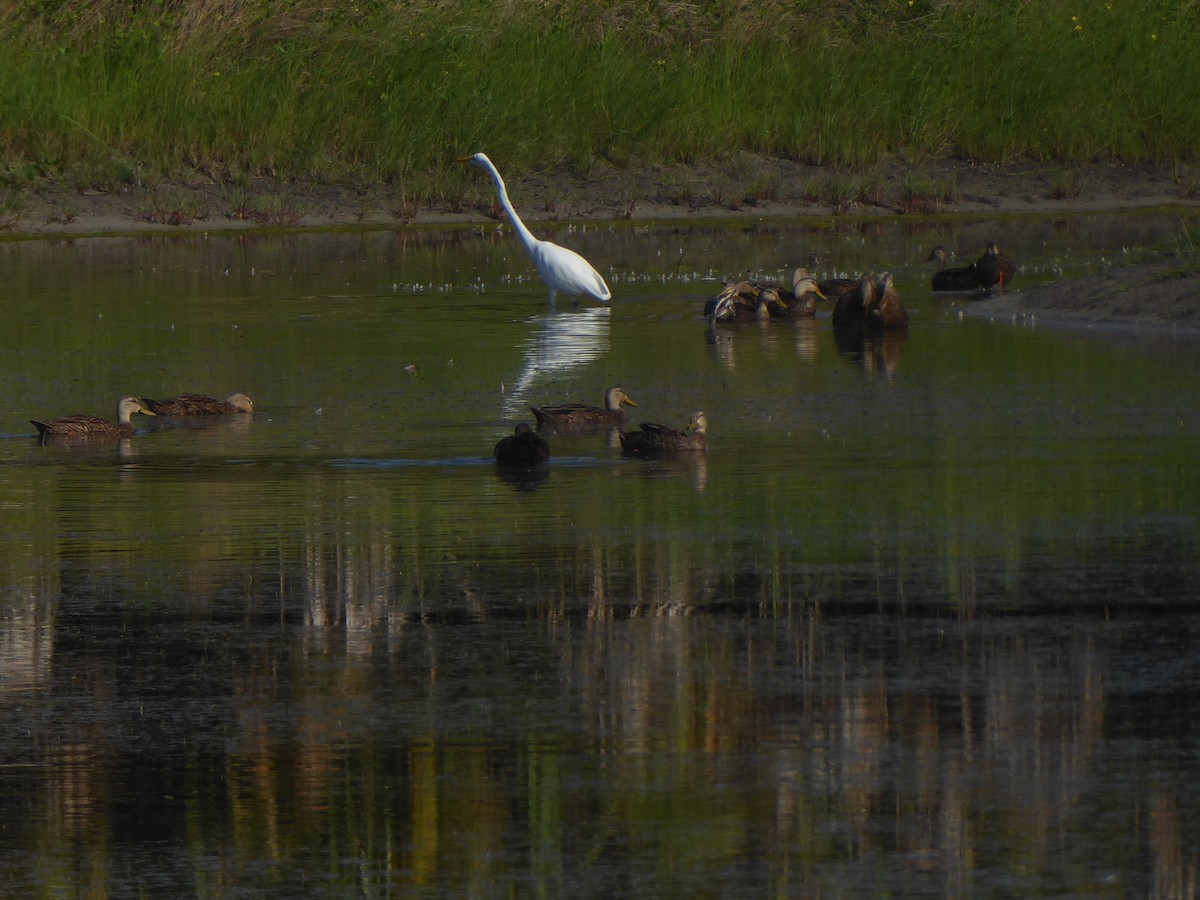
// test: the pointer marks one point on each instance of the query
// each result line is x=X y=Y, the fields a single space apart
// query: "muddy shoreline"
x=1159 y=295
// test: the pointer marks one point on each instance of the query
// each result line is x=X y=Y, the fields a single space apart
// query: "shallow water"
x=921 y=621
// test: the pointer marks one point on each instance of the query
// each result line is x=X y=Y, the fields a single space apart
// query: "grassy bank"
x=100 y=92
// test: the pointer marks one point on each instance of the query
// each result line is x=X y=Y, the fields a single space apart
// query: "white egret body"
x=562 y=269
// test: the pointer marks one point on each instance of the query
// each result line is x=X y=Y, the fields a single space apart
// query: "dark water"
x=921 y=623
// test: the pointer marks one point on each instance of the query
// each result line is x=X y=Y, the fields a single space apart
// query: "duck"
x=886 y=312
x=199 y=405
x=994 y=268
x=801 y=303
x=567 y=415
x=834 y=289
x=524 y=447
x=654 y=438
x=749 y=301
x=738 y=301
x=852 y=306
x=743 y=308
x=84 y=426
x=962 y=278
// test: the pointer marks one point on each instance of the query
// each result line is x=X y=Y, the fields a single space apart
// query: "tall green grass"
x=96 y=90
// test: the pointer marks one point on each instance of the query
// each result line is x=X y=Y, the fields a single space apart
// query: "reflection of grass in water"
x=1189 y=259
x=331 y=91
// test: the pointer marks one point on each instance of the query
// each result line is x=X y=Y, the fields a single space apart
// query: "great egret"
x=562 y=269
x=81 y=426
x=654 y=438
x=199 y=405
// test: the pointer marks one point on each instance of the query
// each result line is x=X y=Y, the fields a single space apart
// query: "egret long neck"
x=523 y=233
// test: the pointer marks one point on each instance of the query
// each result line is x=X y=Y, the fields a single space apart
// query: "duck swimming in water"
x=654 y=438
x=962 y=278
x=199 y=405
x=748 y=301
x=852 y=306
x=524 y=447
x=886 y=312
x=84 y=426
x=581 y=415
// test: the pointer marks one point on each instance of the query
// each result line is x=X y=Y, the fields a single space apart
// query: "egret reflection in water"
x=559 y=343
x=934 y=639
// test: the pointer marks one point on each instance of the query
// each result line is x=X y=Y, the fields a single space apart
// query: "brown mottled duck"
x=524 y=447
x=581 y=415
x=200 y=405
x=852 y=306
x=886 y=312
x=801 y=301
x=995 y=269
x=93 y=427
x=739 y=301
x=749 y=301
x=836 y=288
x=653 y=438
x=962 y=278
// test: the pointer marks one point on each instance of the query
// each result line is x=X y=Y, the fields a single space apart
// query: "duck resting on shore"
x=994 y=268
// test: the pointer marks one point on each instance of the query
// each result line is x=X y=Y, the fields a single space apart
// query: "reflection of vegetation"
x=794 y=751
x=334 y=653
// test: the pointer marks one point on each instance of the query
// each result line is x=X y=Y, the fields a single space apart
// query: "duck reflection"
x=560 y=342
x=523 y=478
x=806 y=339
x=873 y=352
x=235 y=424
x=721 y=342
x=692 y=466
